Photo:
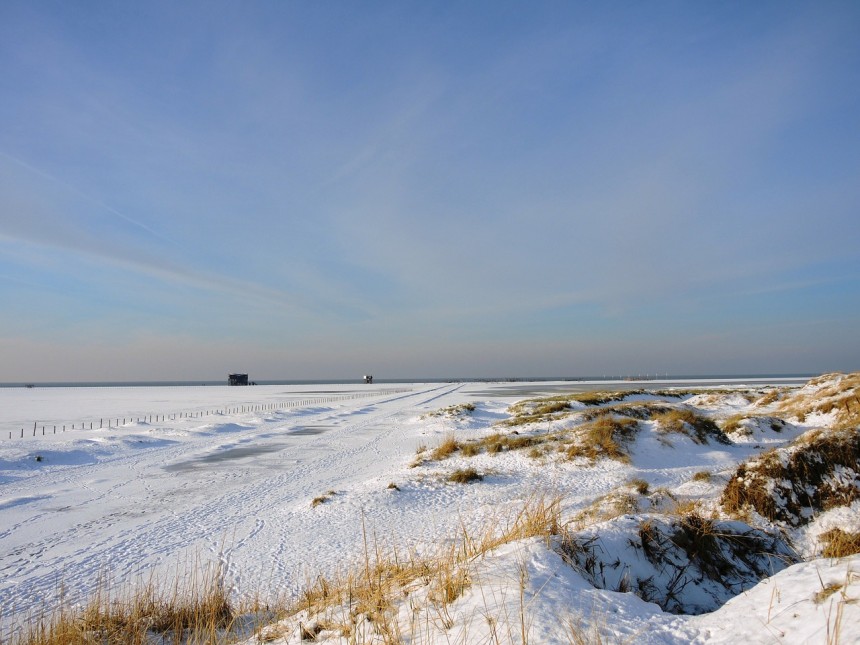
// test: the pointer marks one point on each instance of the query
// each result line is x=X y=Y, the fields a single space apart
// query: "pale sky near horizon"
x=325 y=189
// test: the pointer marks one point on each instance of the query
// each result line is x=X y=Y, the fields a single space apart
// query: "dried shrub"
x=721 y=559
x=769 y=397
x=639 y=485
x=607 y=436
x=448 y=447
x=839 y=543
x=816 y=473
x=465 y=476
x=684 y=421
x=470 y=449
x=322 y=499
x=503 y=443
x=743 y=424
x=196 y=610
x=734 y=425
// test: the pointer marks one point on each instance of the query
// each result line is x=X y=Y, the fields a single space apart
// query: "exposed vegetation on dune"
x=689 y=536
x=831 y=394
x=363 y=605
x=746 y=425
x=606 y=428
x=687 y=565
x=555 y=407
x=196 y=611
x=452 y=411
x=839 y=543
x=608 y=436
x=816 y=472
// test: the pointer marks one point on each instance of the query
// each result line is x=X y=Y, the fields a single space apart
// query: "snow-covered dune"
x=279 y=485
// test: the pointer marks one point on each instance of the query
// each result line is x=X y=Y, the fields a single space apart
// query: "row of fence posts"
x=114 y=422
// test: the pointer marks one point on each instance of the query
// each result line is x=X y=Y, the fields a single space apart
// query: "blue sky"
x=324 y=189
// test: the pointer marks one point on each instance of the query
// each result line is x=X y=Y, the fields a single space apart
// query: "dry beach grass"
x=395 y=596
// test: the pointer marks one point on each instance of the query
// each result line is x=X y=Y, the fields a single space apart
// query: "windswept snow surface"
x=153 y=497
x=237 y=487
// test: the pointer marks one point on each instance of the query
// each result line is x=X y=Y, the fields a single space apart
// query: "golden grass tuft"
x=639 y=485
x=197 y=610
x=839 y=543
x=361 y=605
x=685 y=421
x=448 y=447
x=465 y=476
x=733 y=425
x=322 y=499
x=771 y=396
x=605 y=437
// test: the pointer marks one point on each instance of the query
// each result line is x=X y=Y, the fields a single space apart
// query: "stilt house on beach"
x=237 y=379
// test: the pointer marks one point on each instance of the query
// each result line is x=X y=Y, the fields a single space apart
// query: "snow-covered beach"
x=282 y=484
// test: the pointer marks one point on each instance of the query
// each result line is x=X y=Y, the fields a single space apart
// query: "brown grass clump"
x=448 y=447
x=839 y=543
x=606 y=436
x=733 y=425
x=639 y=485
x=322 y=499
x=198 y=611
x=684 y=421
x=465 y=476
x=791 y=484
x=496 y=443
x=470 y=449
x=702 y=476
x=492 y=444
x=771 y=396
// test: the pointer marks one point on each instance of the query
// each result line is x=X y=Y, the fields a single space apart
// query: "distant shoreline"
x=658 y=378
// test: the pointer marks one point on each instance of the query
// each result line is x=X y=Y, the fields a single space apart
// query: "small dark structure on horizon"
x=237 y=379
x=368 y=378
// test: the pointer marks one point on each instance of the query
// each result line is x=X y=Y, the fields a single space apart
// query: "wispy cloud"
x=456 y=176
